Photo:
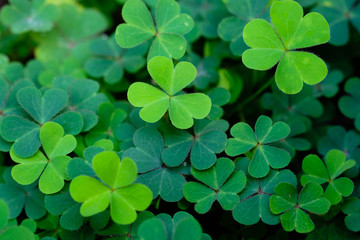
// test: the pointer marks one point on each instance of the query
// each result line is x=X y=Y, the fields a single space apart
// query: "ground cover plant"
x=179 y=119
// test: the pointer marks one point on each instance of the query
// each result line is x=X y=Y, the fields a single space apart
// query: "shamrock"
x=42 y=108
x=291 y=31
x=147 y=154
x=167 y=36
x=124 y=196
x=9 y=104
x=50 y=168
x=223 y=184
x=219 y=97
x=83 y=98
x=265 y=155
x=254 y=199
x=75 y=29
x=339 y=14
x=209 y=138
x=231 y=28
x=110 y=60
x=24 y=15
x=207 y=15
x=315 y=171
x=182 y=107
x=352 y=209
x=181 y=226
x=350 y=105
x=19 y=197
x=348 y=142
x=109 y=119
x=293 y=207
x=329 y=87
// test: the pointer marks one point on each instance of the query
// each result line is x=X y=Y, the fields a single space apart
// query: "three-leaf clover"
x=231 y=28
x=116 y=189
x=19 y=197
x=209 y=138
x=265 y=155
x=42 y=108
x=315 y=171
x=167 y=36
x=222 y=184
x=352 y=209
x=50 y=167
x=147 y=154
x=339 y=14
x=277 y=43
x=110 y=60
x=293 y=207
x=254 y=199
x=154 y=102
x=24 y=15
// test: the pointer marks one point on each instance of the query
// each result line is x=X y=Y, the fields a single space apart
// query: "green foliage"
x=19 y=197
x=292 y=206
x=223 y=185
x=291 y=31
x=112 y=108
x=29 y=15
x=165 y=181
x=352 y=209
x=123 y=196
x=264 y=155
x=167 y=36
x=182 y=107
x=339 y=14
x=315 y=171
x=50 y=168
x=163 y=227
x=254 y=199
x=231 y=28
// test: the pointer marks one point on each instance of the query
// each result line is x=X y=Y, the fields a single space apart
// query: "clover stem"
x=252 y=97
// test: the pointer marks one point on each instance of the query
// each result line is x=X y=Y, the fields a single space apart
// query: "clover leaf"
x=291 y=31
x=181 y=226
x=352 y=209
x=231 y=28
x=83 y=98
x=208 y=139
x=339 y=14
x=109 y=119
x=207 y=15
x=24 y=15
x=10 y=230
x=109 y=60
x=112 y=230
x=162 y=180
x=50 y=168
x=76 y=27
x=154 y=102
x=42 y=108
x=20 y=197
x=9 y=104
x=265 y=155
x=222 y=183
x=167 y=37
x=293 y=207
x=315 y=171
x=347 y=141
x=62 y=204
x=350 y=105
x=123 y=196
x=329 y=87
x=254 y=199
